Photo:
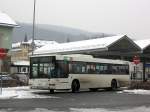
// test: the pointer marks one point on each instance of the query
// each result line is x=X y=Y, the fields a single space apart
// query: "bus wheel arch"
x=75 y=86
x=114 y=84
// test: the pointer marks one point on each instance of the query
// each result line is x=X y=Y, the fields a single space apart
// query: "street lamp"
x=33 y=28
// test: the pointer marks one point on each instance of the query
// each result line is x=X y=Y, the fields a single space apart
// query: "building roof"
x=38 y=43
x=100 y=44
x=143 y=43
x=14 y=50
x=5 y=20
x=16 y=45
x=21 y=63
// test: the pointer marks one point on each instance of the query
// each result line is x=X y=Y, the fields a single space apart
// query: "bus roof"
x=84 y=58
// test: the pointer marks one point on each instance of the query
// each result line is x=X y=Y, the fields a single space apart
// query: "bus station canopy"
x=119 y=43
x=144 y=44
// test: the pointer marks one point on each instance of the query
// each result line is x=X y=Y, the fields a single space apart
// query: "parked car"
x=22 y=78
x=7 y=81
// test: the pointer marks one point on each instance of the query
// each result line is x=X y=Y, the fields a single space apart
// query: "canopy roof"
x=114 y=43
x=5 y=20
x=143 y=43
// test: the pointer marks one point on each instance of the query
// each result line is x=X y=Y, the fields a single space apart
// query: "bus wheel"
x=51 y=91
x=114 y=84
x=75 y=86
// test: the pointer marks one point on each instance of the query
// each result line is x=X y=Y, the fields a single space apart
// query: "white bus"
x=76 y=71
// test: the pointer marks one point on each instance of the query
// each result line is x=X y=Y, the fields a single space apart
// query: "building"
x=6 y=28
x=108 y=47
x=20 y=54
x=145 y=56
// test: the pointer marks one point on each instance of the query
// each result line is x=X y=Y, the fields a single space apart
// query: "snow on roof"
x=143 y=43
x=14 y=50
x=38 y=43
x=22 y=62
x=5 y=20
x=15 y=45
x=42 y=42
x=99 y=43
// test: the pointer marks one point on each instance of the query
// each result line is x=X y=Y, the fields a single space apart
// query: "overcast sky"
x=131 y=17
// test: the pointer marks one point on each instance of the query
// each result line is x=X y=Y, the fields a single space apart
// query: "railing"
x=9 y=83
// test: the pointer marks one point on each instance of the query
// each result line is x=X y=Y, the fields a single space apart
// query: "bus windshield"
x=47 y=67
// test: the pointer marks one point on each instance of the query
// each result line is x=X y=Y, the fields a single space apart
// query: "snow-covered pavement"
x=136 y=91
x=139 y=109
x=22 y=93
x=135 y=109
x=25 y=92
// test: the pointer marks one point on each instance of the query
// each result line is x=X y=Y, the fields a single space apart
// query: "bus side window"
x=88 y=68
x=97 y=69
x=109 y=69
x=70 y=68
x=105 y=69
x=66 y=70
x=62 y=69
x=34 y=71
x=83 y=69
x=92 y=70
x=114 y=70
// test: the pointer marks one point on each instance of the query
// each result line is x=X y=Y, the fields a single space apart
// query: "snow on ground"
x=135 y=109
x=136 y=91
x=139 y=109
x=23 y=93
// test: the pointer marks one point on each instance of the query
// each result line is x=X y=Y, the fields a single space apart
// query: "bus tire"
x=75 y=86
x=51 y=91
x=114 y=84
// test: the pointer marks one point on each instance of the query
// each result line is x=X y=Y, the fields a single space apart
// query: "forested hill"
x=52 y=32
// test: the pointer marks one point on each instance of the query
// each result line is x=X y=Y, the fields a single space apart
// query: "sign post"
x=136 y=61
x=1 y=83
x=2 y=56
